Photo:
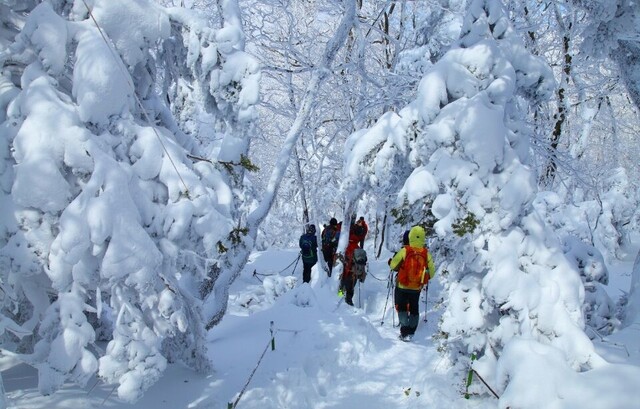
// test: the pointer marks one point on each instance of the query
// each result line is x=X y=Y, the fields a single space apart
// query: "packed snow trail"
x=327 y=354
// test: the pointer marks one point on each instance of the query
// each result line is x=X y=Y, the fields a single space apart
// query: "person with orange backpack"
x=415 y=267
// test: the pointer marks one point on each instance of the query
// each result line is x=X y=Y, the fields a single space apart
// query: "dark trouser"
x=306 y=271
x=347 y=283
x=328 y=257
x=407 y=305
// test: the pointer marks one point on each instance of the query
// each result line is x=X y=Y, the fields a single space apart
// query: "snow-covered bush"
x=105 y=212
x=599 y=310
x=465 y=140
x=604 y=215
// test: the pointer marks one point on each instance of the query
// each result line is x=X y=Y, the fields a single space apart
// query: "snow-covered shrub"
x=604 y=215
x=108 y=223
x=599 y=309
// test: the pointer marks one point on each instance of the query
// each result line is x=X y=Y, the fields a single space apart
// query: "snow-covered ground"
x=326 y=354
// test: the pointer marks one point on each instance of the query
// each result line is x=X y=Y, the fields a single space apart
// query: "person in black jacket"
x=330 y=237
x=309 y=251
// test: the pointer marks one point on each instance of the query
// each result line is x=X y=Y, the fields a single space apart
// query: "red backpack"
x=413 y=272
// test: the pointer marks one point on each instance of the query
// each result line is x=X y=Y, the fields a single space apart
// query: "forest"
x=149 y=148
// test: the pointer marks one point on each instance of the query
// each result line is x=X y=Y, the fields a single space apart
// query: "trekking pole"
x=426 y=289
x=384 y=311
x=394 y=317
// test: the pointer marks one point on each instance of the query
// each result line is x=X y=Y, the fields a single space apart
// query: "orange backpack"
x=412 y=272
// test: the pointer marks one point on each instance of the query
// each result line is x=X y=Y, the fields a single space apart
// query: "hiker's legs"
x=401 y=308
x=306 y=272
x=407 y=307
x=328 y=257
x=413 y=297
x=347 y=285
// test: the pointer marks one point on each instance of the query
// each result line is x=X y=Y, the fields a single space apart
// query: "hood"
x=416 y=237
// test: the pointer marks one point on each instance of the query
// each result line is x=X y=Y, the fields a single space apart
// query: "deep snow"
x=327 y=354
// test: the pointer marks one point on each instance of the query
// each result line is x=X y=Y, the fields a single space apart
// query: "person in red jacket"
x=365 y=230
x=357 y=234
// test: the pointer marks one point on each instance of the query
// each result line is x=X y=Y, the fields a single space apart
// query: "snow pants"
x=348 y=283
x=306 y=271
x=407 y=305
x=329 y=257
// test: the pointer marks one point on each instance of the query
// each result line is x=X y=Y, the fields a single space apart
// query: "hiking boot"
x=405 y=338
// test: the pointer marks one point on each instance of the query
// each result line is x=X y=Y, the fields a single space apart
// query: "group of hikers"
x=413 y=265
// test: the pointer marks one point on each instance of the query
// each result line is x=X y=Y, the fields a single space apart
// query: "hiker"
x=348 y=279
x=330 y=236
x=363 y=232
x=415 y=267
x=308 y=251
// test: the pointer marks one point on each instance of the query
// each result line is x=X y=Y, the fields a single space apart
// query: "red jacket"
x=354 y=243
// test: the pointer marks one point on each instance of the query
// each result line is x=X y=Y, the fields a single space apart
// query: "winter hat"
x=311 y=229
x=416 y=236
x=333 y=221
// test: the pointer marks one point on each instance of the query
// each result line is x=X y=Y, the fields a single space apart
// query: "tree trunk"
x=384 y=229
x=551 y=167
x=303 y=190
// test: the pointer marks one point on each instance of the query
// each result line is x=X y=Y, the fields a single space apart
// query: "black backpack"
x=328 y=238
x=358 y=230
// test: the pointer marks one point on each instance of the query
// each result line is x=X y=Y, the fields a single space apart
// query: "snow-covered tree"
x=244 y=238
x=613 y=31
x=109 y=226
x=582 y=136
x=466 y=142
x=373 y=72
